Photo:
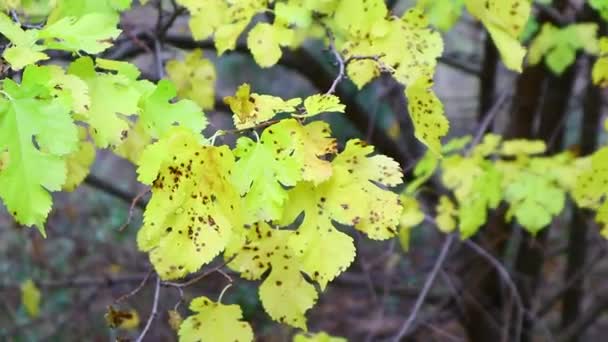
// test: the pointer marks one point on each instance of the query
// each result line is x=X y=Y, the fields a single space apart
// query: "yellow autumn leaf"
x=30 y=297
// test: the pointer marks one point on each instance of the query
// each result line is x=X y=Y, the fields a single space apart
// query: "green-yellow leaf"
x=443 y=14
x=90 y=33
x=349 y=197
x=79 y=162
x=214 y=322
x=265 y=41
x=30 y=297
x=24 y=49
x=505 y=20
x=194 y=78
x=286 y=153
x=446 y=215
x=159 y=114
x=599 y=72
x=533 y=200
x=321 y=103
x=318 y=337
x=252 y=109
x=111 y=97
x=520 y=147
x=285 y=293
x=410 y=217
x=426 y=111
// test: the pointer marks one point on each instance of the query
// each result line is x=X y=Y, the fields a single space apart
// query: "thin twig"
x=177 y=11
x=507 y=279
x=219 y=298
x=154 y=312
x=160 y=72
x=180 y=291
x=591 y=314
x=430 y=280
x=111 y=189
x=132 y=208
x=135 y=290
x=342 y=63
x=488 y=118
x=580 y=274
x=80 y=282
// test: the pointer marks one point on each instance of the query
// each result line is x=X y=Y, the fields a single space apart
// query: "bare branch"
x=488 y=118
x=430 y=281
x=82 y=282
x=135 y=290
x=507 y=279
x=111 y=189
x=132 y=208
x=600 y=304
x=154 y=312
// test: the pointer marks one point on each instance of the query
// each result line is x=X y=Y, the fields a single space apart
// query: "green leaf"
x=521 y=147
x=24 y=50
x=37 y=131
x=90 y=33
x=599 y=72
x=159 y=114
x=442 y=14
x=79 y=162
x=534 y=200
x=559 y=45
x=294 y=13
x=318 y=337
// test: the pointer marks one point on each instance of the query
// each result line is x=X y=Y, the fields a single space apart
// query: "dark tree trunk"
x=551 y=125
x=487 y=81
x=577 y=243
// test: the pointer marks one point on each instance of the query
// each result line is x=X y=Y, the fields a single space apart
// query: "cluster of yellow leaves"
x=208 y=199
x=404 y=46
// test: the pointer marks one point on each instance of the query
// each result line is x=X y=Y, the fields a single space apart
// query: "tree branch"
x=430 y=280
x=154 y=312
